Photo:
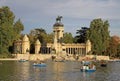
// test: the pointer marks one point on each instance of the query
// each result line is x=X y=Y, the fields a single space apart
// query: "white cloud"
x=40 y=12
x=84 y=9
x=69 y=8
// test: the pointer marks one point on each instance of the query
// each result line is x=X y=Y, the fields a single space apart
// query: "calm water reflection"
x=56 y=71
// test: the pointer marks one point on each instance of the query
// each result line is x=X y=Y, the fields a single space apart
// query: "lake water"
x=56 y=71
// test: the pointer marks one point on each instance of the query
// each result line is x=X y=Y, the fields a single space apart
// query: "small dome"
x=37 y=42
x=57 y=24
x=25 y=38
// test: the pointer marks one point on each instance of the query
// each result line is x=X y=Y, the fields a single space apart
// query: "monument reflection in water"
x=56 y=71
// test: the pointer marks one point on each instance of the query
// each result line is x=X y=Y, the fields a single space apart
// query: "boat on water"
x=103 y=64
x=39 y=65
x=88 y=70
x=22 y=60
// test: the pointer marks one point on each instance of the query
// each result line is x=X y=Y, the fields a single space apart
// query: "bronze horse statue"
x=58 y=18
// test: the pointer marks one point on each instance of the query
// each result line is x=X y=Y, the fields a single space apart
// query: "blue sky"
x=76 y=13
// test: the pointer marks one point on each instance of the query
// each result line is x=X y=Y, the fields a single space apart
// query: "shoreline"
x=15 y=59
x=8 y=59
x=46 y=57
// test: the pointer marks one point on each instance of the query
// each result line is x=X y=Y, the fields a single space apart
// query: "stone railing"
x=33 y=56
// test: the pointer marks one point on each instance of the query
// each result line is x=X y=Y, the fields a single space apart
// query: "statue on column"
x=58 y=22
x=59 y=18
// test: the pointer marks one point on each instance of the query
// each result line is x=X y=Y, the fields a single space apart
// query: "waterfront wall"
x=98 y=57
x=41 y=57
x=102 y=58
x=33 y=56
x=48 y=56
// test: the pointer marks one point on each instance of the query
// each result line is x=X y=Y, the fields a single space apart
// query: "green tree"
x=32 y=36
x=75 y=39
x=99 y=36
x=8 y=30
x=112 y=49
x=40 y=34
x=32 y=40
x=67 y=38
x=49 y=38
x=82 y=35
x=18 y=27
x=118 y=51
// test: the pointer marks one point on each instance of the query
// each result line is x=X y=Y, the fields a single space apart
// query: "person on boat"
x=103 y=62
x=35 y=62
x=93 y=67
x=83 y=62
x=84 y=67
x=87 y=67
x=42 y=62
x=23 y=59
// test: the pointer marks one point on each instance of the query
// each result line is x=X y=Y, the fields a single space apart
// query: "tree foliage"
x=7 y=32
x=118 y=51
x=114 y=47
x=67 y=38
x=41 y=35
x=82 y=35
x=18 y=27
x=99 y=35
x=49 y=38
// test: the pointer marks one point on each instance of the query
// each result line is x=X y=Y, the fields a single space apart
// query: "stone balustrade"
x=48 y=56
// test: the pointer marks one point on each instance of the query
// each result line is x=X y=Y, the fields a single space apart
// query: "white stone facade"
x=25 y=45
x=57 y=47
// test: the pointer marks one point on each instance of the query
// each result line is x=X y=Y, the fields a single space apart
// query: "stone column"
x=37 y=47
x=88 y=46
x=25 y=45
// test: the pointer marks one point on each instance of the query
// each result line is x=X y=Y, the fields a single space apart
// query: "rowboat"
x=86 y=68
x=89 y=70
x=103 y=65
x=39 y=65
x=22 y=60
